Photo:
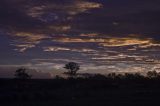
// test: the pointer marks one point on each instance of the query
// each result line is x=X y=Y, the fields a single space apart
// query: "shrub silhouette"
x=22 y=74
x=112 y=75
x=152 y=74
x=72 y=68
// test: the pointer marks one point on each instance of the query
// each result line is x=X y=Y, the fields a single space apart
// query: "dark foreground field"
x=91 y=91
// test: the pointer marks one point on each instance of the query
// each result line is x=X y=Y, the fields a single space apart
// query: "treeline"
x=81 y=90
x=23 y=74
x=113 y=76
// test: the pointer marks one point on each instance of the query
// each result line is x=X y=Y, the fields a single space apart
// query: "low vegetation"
x=82 y=90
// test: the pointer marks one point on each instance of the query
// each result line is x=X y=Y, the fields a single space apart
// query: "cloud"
x=54 y=49
x=31 y=22
x=73 y=7
x=108 y=41
x=90 y=32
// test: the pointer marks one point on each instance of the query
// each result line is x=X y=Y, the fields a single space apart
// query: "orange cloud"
x=27 y=40
x=76 y=7
x=125 y=42
x=106 y=41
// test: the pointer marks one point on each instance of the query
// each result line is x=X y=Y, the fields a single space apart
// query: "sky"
x=103 y=36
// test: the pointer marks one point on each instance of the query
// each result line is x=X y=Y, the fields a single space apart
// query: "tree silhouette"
x=152 y=74
x=72 y=68
x=111 y=75
x=22 y=74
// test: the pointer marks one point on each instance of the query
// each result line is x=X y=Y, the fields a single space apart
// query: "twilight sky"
x=101 y=35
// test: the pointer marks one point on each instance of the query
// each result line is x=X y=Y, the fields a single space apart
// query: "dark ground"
x=91 y=91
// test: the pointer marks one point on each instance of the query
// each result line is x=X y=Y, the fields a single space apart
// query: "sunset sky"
x=101 y=35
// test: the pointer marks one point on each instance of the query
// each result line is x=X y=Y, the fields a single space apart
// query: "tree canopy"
x=22 y=74
x=72 y=68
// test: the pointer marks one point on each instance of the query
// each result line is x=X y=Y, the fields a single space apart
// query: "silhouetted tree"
x=98 y=77
x=138 y=76
x=22 y=74
x=152 y=74
x=111 y=75
x=72 y=68
x=130 y=76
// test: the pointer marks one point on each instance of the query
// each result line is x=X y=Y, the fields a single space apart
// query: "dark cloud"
x=53 y=16
x=87 y=31
x=120 y=18
x=39 y=16
x=13 y=18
